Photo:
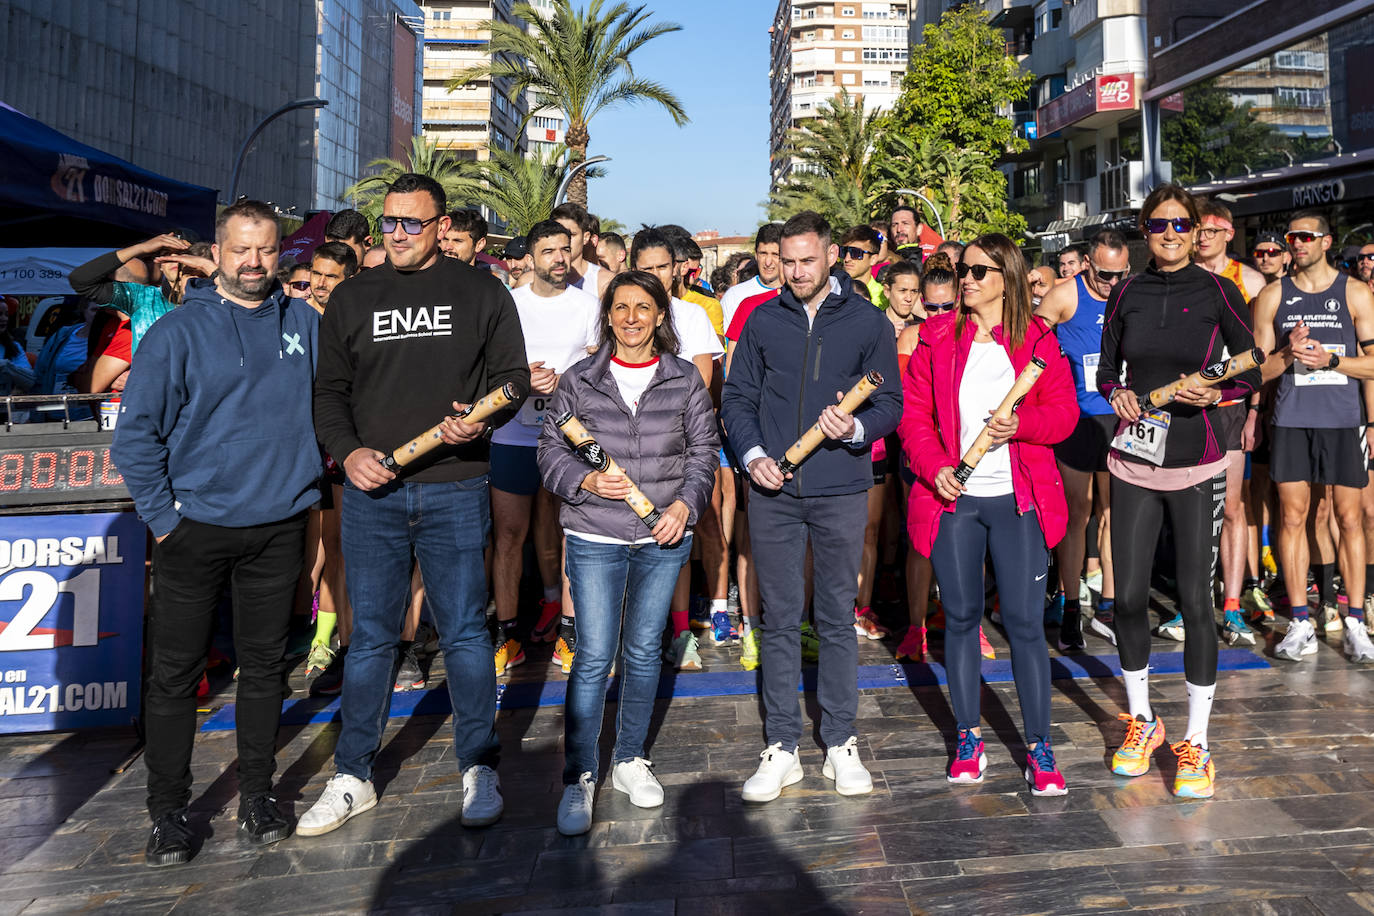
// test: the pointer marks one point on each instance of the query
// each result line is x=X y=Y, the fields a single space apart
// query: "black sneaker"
x=329 y=682
x=410 y=676
x=169 y=842
x=1071 y=631
x=261 y=822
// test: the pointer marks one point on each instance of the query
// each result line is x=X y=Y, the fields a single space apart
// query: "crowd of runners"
x=639 y=451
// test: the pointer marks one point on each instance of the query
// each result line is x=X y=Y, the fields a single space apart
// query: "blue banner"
x=71 y=620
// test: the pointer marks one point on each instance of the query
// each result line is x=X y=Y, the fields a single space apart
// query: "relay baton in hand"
x=980 y=446
x=1207 y=377
x=429 y=440
x=813 y=437
x=590 y=451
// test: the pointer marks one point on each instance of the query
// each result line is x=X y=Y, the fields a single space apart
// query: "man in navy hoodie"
x=797 y=355
x=216 y=443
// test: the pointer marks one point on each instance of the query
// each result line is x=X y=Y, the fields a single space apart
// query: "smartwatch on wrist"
x=1334 y=361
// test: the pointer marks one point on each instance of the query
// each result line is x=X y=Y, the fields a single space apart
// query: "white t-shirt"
x=988 y=377
x=695 y=334
x=632 y=379
x=590 y=282
x=737 y=294
x=558 y=330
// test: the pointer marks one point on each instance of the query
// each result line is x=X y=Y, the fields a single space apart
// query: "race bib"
x=1303 y=376
x=532 y=411
x=1090 y=370
x=1145 y=437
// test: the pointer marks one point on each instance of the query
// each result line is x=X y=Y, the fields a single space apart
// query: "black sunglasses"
x=1182 y=225
x=979 y=271
x=849 y=252
x=939 y=306
x=1362 y=256
x=301 y=285
x=1108 y=276
x=411 y=224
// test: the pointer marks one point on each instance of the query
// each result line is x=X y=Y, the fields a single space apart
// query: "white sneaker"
x=344 y=796
x=1300 y=640
x=482 y=802
x=842 y=764
x=1357 y=644
x=635 y=779
x=575 y=810
x=777 y=770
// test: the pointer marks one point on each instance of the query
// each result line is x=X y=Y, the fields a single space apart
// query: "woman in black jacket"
x=649 y=410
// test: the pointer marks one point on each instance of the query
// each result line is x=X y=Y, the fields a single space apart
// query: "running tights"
x=979 y=525
x=1195 y=514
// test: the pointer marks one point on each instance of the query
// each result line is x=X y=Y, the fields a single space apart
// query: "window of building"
x=1061 y=170
x=848 y=33
x=847 y=57
x=1048 y=16
x=1087 y=162
x=885 y=33
x=847 y=78
x=1026 y=182
x=1300 y=97
x=885 y=55
x=1300 y=60
x=846 y=11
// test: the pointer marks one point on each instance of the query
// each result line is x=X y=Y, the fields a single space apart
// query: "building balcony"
x=1010 y=14
x=1084 y=14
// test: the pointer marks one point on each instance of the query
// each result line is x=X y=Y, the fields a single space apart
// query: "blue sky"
x=713 y=173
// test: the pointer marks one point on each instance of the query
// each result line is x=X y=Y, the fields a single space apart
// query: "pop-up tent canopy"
x=56 y=191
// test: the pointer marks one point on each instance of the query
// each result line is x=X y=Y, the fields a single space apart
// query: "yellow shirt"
x=712 y=306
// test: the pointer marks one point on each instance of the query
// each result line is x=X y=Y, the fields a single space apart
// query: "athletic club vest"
x=1081 y=339
x=1317 y=398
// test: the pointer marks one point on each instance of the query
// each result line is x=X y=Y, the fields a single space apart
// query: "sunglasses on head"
x=1156 y=226
x=1109 y=276
x=979 y=271
x=1272 y=253
x=411 y=224
x=1303 y=235
x=850 y=253
x=939 y=306
x=302 y=285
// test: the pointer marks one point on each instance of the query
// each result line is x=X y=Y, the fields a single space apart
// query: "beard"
x=804 y=290
x=254 y=289
x=549 y=277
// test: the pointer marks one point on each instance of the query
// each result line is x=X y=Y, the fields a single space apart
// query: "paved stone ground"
x=1290 y=831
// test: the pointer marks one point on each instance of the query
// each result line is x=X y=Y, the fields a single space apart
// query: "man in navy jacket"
x=217 y=446
x=798 y=354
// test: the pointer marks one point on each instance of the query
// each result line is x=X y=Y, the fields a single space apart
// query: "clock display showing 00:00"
x=61 y=468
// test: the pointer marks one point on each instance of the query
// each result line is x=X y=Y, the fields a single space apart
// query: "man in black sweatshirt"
x=401 y=346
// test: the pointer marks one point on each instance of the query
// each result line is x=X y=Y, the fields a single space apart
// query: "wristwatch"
x=1334 y=361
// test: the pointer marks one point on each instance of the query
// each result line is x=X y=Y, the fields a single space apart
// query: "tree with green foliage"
x=833 y=165
x=458 y=178
x=1215 y=137
x=577 y=61
x=521 y=189
x=969 y=194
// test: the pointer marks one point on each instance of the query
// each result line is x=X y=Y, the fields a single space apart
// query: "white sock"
x=719 y=605
x=553 y=594
x=1199 y=711
x=1138 y=693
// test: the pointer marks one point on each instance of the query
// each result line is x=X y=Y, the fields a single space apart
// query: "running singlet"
x=1317 y=398
x=588 y=281
x=1233 y=273
x=1081 y=339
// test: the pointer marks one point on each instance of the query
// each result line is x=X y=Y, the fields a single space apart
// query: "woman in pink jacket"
x=1013 y=504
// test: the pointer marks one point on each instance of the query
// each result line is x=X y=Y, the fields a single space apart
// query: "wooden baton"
x=813 y=437
x=1028 y=377
x=591 y=452
x=430 y=439
x=1206 y=377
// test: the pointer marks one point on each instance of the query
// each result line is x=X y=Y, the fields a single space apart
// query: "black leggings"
x=1195 y=514
x=979 y=526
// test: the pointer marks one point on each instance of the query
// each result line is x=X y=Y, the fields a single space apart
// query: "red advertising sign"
x=1103 y=93
x=402 y=90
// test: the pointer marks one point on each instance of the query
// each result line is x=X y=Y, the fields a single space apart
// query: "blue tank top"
x=1081 y=339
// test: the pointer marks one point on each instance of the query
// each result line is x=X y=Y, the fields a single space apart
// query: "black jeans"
x=192 y=565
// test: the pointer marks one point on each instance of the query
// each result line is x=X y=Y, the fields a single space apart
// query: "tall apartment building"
x=483 y=114
x=820 y=48
x=176 y=86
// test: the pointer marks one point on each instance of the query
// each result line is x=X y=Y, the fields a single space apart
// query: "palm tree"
x=578 y=62
x=458 y=177
x=833 y=169
x=521 y=190
x=963 y=185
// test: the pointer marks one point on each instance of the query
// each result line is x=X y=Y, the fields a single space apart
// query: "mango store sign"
x=71 y=621
x=1102 y=93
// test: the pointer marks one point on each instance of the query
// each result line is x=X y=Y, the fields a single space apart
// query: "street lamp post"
x=567 y=179
x=247 y=144
x=939 y=223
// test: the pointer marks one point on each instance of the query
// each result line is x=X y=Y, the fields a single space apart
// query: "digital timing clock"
x=42 y=464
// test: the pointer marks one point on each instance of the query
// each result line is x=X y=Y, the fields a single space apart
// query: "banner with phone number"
x=71 y=620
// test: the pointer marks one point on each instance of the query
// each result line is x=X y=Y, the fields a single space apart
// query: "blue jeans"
x=446 y=525
x=608 y=579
